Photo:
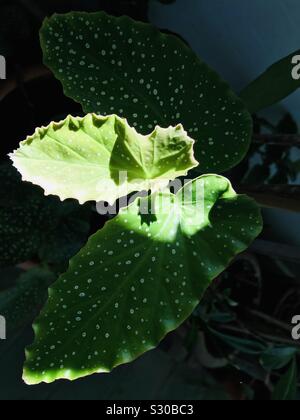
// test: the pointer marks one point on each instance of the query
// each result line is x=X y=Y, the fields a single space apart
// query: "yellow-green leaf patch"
x=102 y=158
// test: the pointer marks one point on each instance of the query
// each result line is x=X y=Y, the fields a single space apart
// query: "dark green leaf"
x=259 y=174
x=249 y=365
x=21 y=303
x=118 y=66
x=32 y=224
x=9 y=276
x=137 y=280
x=20 y=217
x=245 y=346
x=277 y=357
x=296 y=166
x=222 y=317
x=287 y=125
x=286 y=388
x=272 y=86
x=68 y=231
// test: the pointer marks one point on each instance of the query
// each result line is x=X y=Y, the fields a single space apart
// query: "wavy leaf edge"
x=107 y=192
x=31 y=378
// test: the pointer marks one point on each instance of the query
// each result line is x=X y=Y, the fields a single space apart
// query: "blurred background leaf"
x=272 y=86
x=277 y=357
x=33 y=225
x=286 y=387
x=21 y=302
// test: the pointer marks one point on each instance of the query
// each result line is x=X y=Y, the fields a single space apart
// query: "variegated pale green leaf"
x=102 y=158
x=139 y=278
x=118 y=65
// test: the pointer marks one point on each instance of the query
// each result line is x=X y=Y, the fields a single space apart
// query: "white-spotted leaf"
x=21 y=303
x=33 y=225
x=116 y=65
x=139 y=278
x=102 y=158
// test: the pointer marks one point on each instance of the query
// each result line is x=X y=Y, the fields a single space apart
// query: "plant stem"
x=285 y=197
x=276 y=250
x=268 y=337
x=269 y=320
x=286 y=140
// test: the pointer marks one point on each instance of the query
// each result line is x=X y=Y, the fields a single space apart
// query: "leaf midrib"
x=126 y=281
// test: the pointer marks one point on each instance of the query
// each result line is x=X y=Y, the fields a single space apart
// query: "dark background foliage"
x=237 y=345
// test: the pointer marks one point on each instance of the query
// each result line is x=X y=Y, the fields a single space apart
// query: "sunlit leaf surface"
x=139 y=278
x=102 y=158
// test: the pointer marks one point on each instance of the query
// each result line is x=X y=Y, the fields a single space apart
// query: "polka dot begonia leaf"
x=33 y=225
x=139 y=278
x=21 y=303
x=118 y=66
x=102 y=158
